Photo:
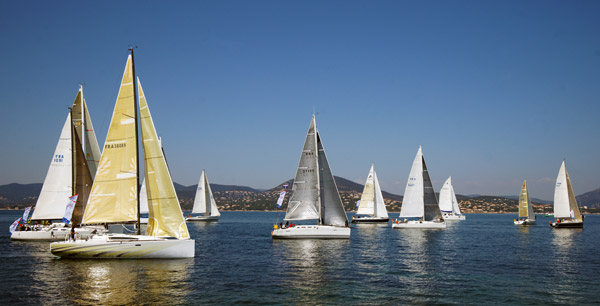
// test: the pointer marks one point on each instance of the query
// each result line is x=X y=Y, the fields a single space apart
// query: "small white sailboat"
x=420 y=206
x=71 y=172
x=526 y=215
x=449 y=203
x=314 y=196
x=205 y=207
x=371 y=208
x=115 y=193
x=566 y=209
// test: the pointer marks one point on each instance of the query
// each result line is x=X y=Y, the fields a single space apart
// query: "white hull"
x=369 y=219
x=203 y=218
x=54 y=233
x=453 y=217
x=524 y=222
x=420 y=224
x=312 y=232
x=124 y=246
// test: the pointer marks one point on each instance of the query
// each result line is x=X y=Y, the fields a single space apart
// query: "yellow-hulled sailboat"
x=115 y=194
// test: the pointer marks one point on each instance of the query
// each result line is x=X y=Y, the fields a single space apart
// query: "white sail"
x=367 y=199
x=304 y=204
x=412 y=203
x=455 y=207
x=143 y=198
x=57 y=188
x=564 y=198
x=204 y=202
x=92 y=150
x=446 y=196
x=380 y=210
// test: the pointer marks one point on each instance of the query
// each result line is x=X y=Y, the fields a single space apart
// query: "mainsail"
x=420 y=200
x=525 y=208
x=304 y=204
x=565 y=204
x=165 y=216
x=204 y=202
x=367 y=199
x=57 y=186
x=113 y=198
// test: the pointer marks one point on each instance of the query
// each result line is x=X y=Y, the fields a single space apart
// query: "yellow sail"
x=524 y=201
x=165 y=216
x=113 y=198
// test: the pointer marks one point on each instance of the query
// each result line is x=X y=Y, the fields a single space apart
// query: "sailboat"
x=371 y=208
x=526 y=215
x=449 y=203
x=72 y=169
x=420 y=202
x=204 y=202
x=566 y=209
x=314 y=196
x=115 y=193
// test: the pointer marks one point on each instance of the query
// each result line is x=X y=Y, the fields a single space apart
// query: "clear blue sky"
x=494 y=91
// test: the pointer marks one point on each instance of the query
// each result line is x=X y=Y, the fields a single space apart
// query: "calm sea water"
x=485 y=259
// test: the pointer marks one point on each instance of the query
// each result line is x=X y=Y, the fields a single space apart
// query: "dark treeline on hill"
x=232 y=197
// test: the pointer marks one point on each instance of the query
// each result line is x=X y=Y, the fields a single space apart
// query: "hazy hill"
x=590 y=199
x=14 y=193
x=26 y=194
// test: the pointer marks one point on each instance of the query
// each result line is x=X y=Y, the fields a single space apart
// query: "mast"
x=318 y=170
x=73 y=151
x=83 y=128
x=137 y=149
